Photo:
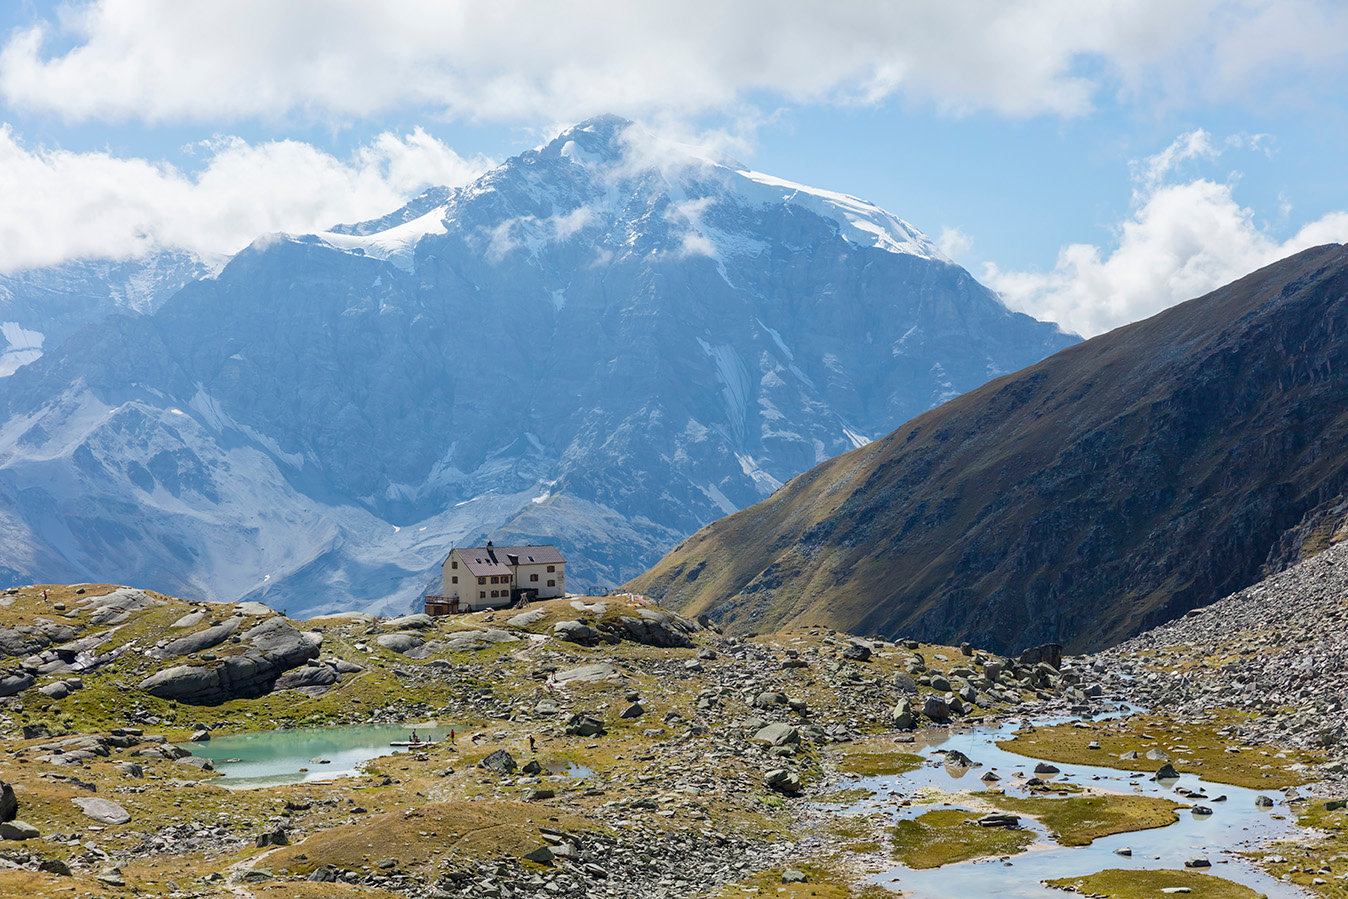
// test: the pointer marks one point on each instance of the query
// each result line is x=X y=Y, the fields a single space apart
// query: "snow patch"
x=395 y=245
x=24 y=346
x=862 y=223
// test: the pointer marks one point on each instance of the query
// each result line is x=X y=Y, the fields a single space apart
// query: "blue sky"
x=1094 y=162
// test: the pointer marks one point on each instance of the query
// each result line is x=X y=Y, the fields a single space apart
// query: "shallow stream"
x=1235 y=824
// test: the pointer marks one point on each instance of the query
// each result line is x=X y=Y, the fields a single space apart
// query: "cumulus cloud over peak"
x=512 y=60
x=61 y=205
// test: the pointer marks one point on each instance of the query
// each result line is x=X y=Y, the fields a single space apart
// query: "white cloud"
x=60 y=204
x=1181 y=241
x=514 y=60
x=954 y=243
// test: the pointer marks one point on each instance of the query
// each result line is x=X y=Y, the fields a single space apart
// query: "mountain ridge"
x=1016 y=514
x=603 y=353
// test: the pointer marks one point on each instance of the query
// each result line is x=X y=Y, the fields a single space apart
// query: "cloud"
x=1181 y=241
x=520 y=61
x=60 y=204
x=954 y=243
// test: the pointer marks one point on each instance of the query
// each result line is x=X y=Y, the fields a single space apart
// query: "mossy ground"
x=1080 y=820
x=944 y=836
x=1117 y=883
x=1322 y=858
x=825 y=880
x=1194 y=747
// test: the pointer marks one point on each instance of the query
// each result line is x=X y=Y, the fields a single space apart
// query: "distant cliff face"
x=1112 y=486
x=597 y=344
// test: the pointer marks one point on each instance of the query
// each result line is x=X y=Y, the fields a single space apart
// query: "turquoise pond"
x=304 y=754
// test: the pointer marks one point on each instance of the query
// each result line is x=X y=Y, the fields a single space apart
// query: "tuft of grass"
x=1117 y=883
x=1323 y=856
x=1080 y=820
x=1194 y=747
x=944 y=836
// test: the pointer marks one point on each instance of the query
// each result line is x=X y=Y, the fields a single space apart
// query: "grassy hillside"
x=1113 y=486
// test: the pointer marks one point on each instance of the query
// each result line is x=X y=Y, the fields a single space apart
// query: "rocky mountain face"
x=1109 y=488
x=601 y=344
x=39 y=308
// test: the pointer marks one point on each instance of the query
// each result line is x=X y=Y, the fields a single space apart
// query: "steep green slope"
x=1113 y=486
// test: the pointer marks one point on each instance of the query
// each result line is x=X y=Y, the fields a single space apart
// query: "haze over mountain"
x=1109 y=488
x=600 y=343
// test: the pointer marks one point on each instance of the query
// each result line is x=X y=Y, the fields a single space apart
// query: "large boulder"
x=654 y=627
x=584 y=725
x=12 y=682
x=499 y=761
x=936 y=708
x=104 y=811
x=196 y=642
x=575 y=632
x=306 y=677
x=902 y=715
x=418 y=621
x=9 y=803
x=777 y=735
x=596 y=671
x=273 y=646
x=399 y=642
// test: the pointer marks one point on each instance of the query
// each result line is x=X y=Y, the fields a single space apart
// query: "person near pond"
x=531 y=742
x=415 y=738
x=451 y=735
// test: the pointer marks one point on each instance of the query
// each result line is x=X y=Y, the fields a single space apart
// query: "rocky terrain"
x=1277 y=651
x=701 y=750
x=1104 y=491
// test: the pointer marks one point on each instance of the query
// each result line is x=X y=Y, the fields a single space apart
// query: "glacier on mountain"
x=596 y=344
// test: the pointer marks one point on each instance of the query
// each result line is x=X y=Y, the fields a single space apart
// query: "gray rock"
x=306 y=677
x=634 y=710
x=400 y=643
x=18 y=830
x=539 y=793
x=201 y=640
x=584 y=725
x=998 y=819
x=499 y=761
x=417 y=621
x=936 y=708
x=9 y=803
x=777 y=735
x=191 y=619
x=104 y=811
x=902 y=715
x=1045 y=768
x=575 y=632
x=956 y=759
x=54 y=866
x=527 y=618
x=857 y=652
x=1166 y=772
x=586 y=673
x=543 y=855
x=782 y=780
x=12 y=682
x=274 y=647
x=199 y=736
x=56 y=690
x=656 y=628
x=1199 y=862
x=791 y=875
